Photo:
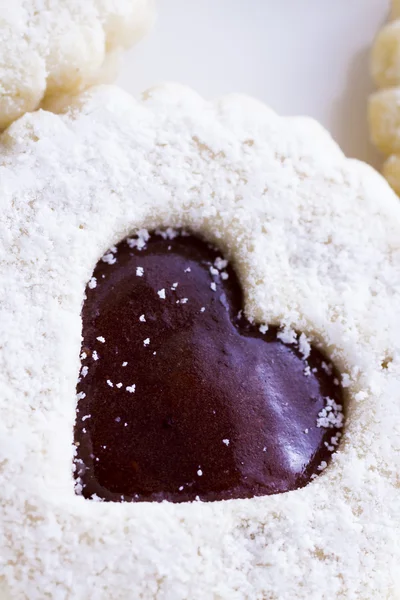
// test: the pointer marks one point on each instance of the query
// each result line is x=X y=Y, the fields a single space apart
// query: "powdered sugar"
x=109 y=258
x=139 y=241
x=312 y=237
x=331 y=415
x=304 y=346
x=220 y=263
x=61 y=47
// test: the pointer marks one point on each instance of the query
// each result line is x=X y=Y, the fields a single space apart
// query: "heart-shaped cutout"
x=180 y=397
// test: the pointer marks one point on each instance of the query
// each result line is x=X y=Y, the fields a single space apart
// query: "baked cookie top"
x=62 y=46
x=314 y=239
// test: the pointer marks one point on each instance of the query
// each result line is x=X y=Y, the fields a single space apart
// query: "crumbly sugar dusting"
x=314 y=238
x=59 y=47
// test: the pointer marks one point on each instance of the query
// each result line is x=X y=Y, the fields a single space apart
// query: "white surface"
x=300 y=56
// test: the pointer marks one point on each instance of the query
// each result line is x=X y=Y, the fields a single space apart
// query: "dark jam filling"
x=180 y=397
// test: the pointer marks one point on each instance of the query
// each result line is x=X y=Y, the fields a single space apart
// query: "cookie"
x=384 y=105
x=395 y=9
x=61 y=47
x=293 y=254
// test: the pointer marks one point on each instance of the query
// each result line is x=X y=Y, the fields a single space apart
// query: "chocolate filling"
x=180 y=397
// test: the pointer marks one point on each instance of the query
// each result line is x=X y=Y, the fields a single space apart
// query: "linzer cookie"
x=384 y=105
x=199 y=355
x=60 y=47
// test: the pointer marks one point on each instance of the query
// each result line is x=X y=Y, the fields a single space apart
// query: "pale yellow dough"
x=384 y=105
x=385 y=62
x=391 y=171
x=396 y=9
x=384 y=119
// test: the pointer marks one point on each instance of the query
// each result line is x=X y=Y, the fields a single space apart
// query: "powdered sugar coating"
x=62 y=46
x=314 y=238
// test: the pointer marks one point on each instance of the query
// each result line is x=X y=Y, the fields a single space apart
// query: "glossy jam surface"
x=180 y=397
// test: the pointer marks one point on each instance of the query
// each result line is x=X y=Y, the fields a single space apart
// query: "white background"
x=299 y=56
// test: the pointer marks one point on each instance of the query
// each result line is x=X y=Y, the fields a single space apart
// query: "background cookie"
x=313 y=238
x=384 y=105
x=396 y=9
x=61 y=46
